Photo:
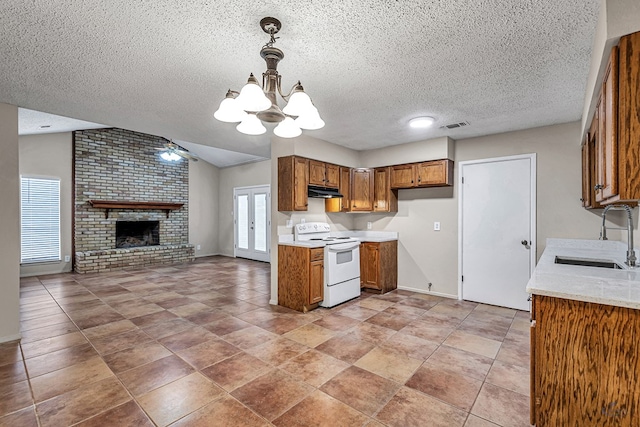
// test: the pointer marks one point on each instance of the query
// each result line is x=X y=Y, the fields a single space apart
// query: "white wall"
x=250 y=174
x=51 y=155
x=203 y=207
x=9 y=225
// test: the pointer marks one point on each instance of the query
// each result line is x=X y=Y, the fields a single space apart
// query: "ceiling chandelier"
x=254 y=104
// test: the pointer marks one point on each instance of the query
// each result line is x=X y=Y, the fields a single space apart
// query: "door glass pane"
x=243 y=221
x=260 y=214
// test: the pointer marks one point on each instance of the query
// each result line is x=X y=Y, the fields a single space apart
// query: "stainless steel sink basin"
x=586 y=262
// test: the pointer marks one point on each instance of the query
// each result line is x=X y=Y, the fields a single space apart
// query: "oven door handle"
x=342 y=247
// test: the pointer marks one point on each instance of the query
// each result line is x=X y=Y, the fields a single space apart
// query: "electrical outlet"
x=197 y=247
x=67 y=258
x=369 y=225
x=289 y=223
x=302 y=220
x=436 y=226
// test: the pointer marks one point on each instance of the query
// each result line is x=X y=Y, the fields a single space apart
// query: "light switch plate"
x=369 y=225
x=436 y=226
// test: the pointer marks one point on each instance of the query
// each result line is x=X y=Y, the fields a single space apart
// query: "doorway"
x=252 y=221
x=497 y=229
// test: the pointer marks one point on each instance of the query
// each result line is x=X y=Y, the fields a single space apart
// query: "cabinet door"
x=370 y=265
x=345 y=189
x=586 y=174
x=317 y=173
x=316 y=282
x=402 y=176
x=435 y=173
x=608 y=131
x=362 y=190
x=301 y=181
x=332 y=176
x=384 y=199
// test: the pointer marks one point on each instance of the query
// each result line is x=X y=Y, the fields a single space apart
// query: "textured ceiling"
x=163 y=66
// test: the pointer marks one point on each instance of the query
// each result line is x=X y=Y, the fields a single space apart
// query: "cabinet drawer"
x=316 y=254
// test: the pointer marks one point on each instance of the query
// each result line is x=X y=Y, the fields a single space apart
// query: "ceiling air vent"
x=455 y=125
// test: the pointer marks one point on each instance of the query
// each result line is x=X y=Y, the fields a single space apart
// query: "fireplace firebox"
x=130 y=234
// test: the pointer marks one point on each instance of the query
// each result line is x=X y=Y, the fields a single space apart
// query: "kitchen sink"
x=587 y=262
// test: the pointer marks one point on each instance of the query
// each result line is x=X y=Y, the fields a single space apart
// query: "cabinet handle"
x=412 y=181
x=598 y=187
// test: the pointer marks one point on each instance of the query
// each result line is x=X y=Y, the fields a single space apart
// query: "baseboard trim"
x=273 y=302
x=423 y=291
x=10 y=338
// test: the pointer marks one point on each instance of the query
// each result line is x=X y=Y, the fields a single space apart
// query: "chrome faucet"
x=631 y=253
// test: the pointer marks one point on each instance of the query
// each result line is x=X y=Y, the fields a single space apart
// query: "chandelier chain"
x=273 y=39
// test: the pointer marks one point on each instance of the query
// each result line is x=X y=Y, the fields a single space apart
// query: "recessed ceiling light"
x=421 y=122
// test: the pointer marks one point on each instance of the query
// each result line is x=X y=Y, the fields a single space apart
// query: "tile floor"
x=199 y=345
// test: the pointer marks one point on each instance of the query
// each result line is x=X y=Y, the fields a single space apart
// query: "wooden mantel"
x=107 y=205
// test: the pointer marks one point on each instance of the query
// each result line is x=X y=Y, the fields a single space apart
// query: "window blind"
x=39 y=219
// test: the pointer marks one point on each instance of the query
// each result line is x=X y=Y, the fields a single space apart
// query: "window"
x=39 y=219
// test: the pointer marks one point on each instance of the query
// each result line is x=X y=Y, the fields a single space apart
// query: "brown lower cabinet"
x=585 y=364
x=379 y=266
x=300 y=277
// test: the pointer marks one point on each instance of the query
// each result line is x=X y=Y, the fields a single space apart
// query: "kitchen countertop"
x=363 y=236
x=590 y=284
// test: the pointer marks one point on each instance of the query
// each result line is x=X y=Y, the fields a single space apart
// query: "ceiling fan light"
x=229 y=111
x=310 y=121
x=252 y=97
x=421 y=122
x=299 y=104
x=251 y=125
x=287 y=129
x=170 y=156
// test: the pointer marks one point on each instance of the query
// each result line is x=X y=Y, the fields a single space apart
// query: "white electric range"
x=341 y=261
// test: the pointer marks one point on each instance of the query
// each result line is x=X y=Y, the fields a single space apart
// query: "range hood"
x=323 y=192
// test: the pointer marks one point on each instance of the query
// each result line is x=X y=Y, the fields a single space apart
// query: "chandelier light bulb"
x=251 y=125
x=287 y=128
x=421 y=122
x=299 y=103
x=251 y=97
x=310 y=121
x=229 y=111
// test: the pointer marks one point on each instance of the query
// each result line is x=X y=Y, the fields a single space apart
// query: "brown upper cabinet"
x=324 y=174
x=384 y=198
x=617 y=140
x=361 y=190
x=435 y=173
x=293 y=180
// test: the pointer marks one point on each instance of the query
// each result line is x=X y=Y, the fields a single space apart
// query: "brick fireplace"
x=118 y=165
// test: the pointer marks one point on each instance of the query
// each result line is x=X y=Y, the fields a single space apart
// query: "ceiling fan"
x=173 y=152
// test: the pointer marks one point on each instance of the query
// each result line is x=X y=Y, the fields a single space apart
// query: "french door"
x=252 y=207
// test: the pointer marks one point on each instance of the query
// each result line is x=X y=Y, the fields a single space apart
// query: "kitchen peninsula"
x=585 y=331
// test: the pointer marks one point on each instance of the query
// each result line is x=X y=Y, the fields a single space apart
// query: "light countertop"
x=363 y=236
x=590 y=284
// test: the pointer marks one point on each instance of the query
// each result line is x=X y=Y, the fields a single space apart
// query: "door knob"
x=525 y=243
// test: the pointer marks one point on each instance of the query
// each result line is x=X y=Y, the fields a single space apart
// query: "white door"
x=252 y=207
x=497 y=229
